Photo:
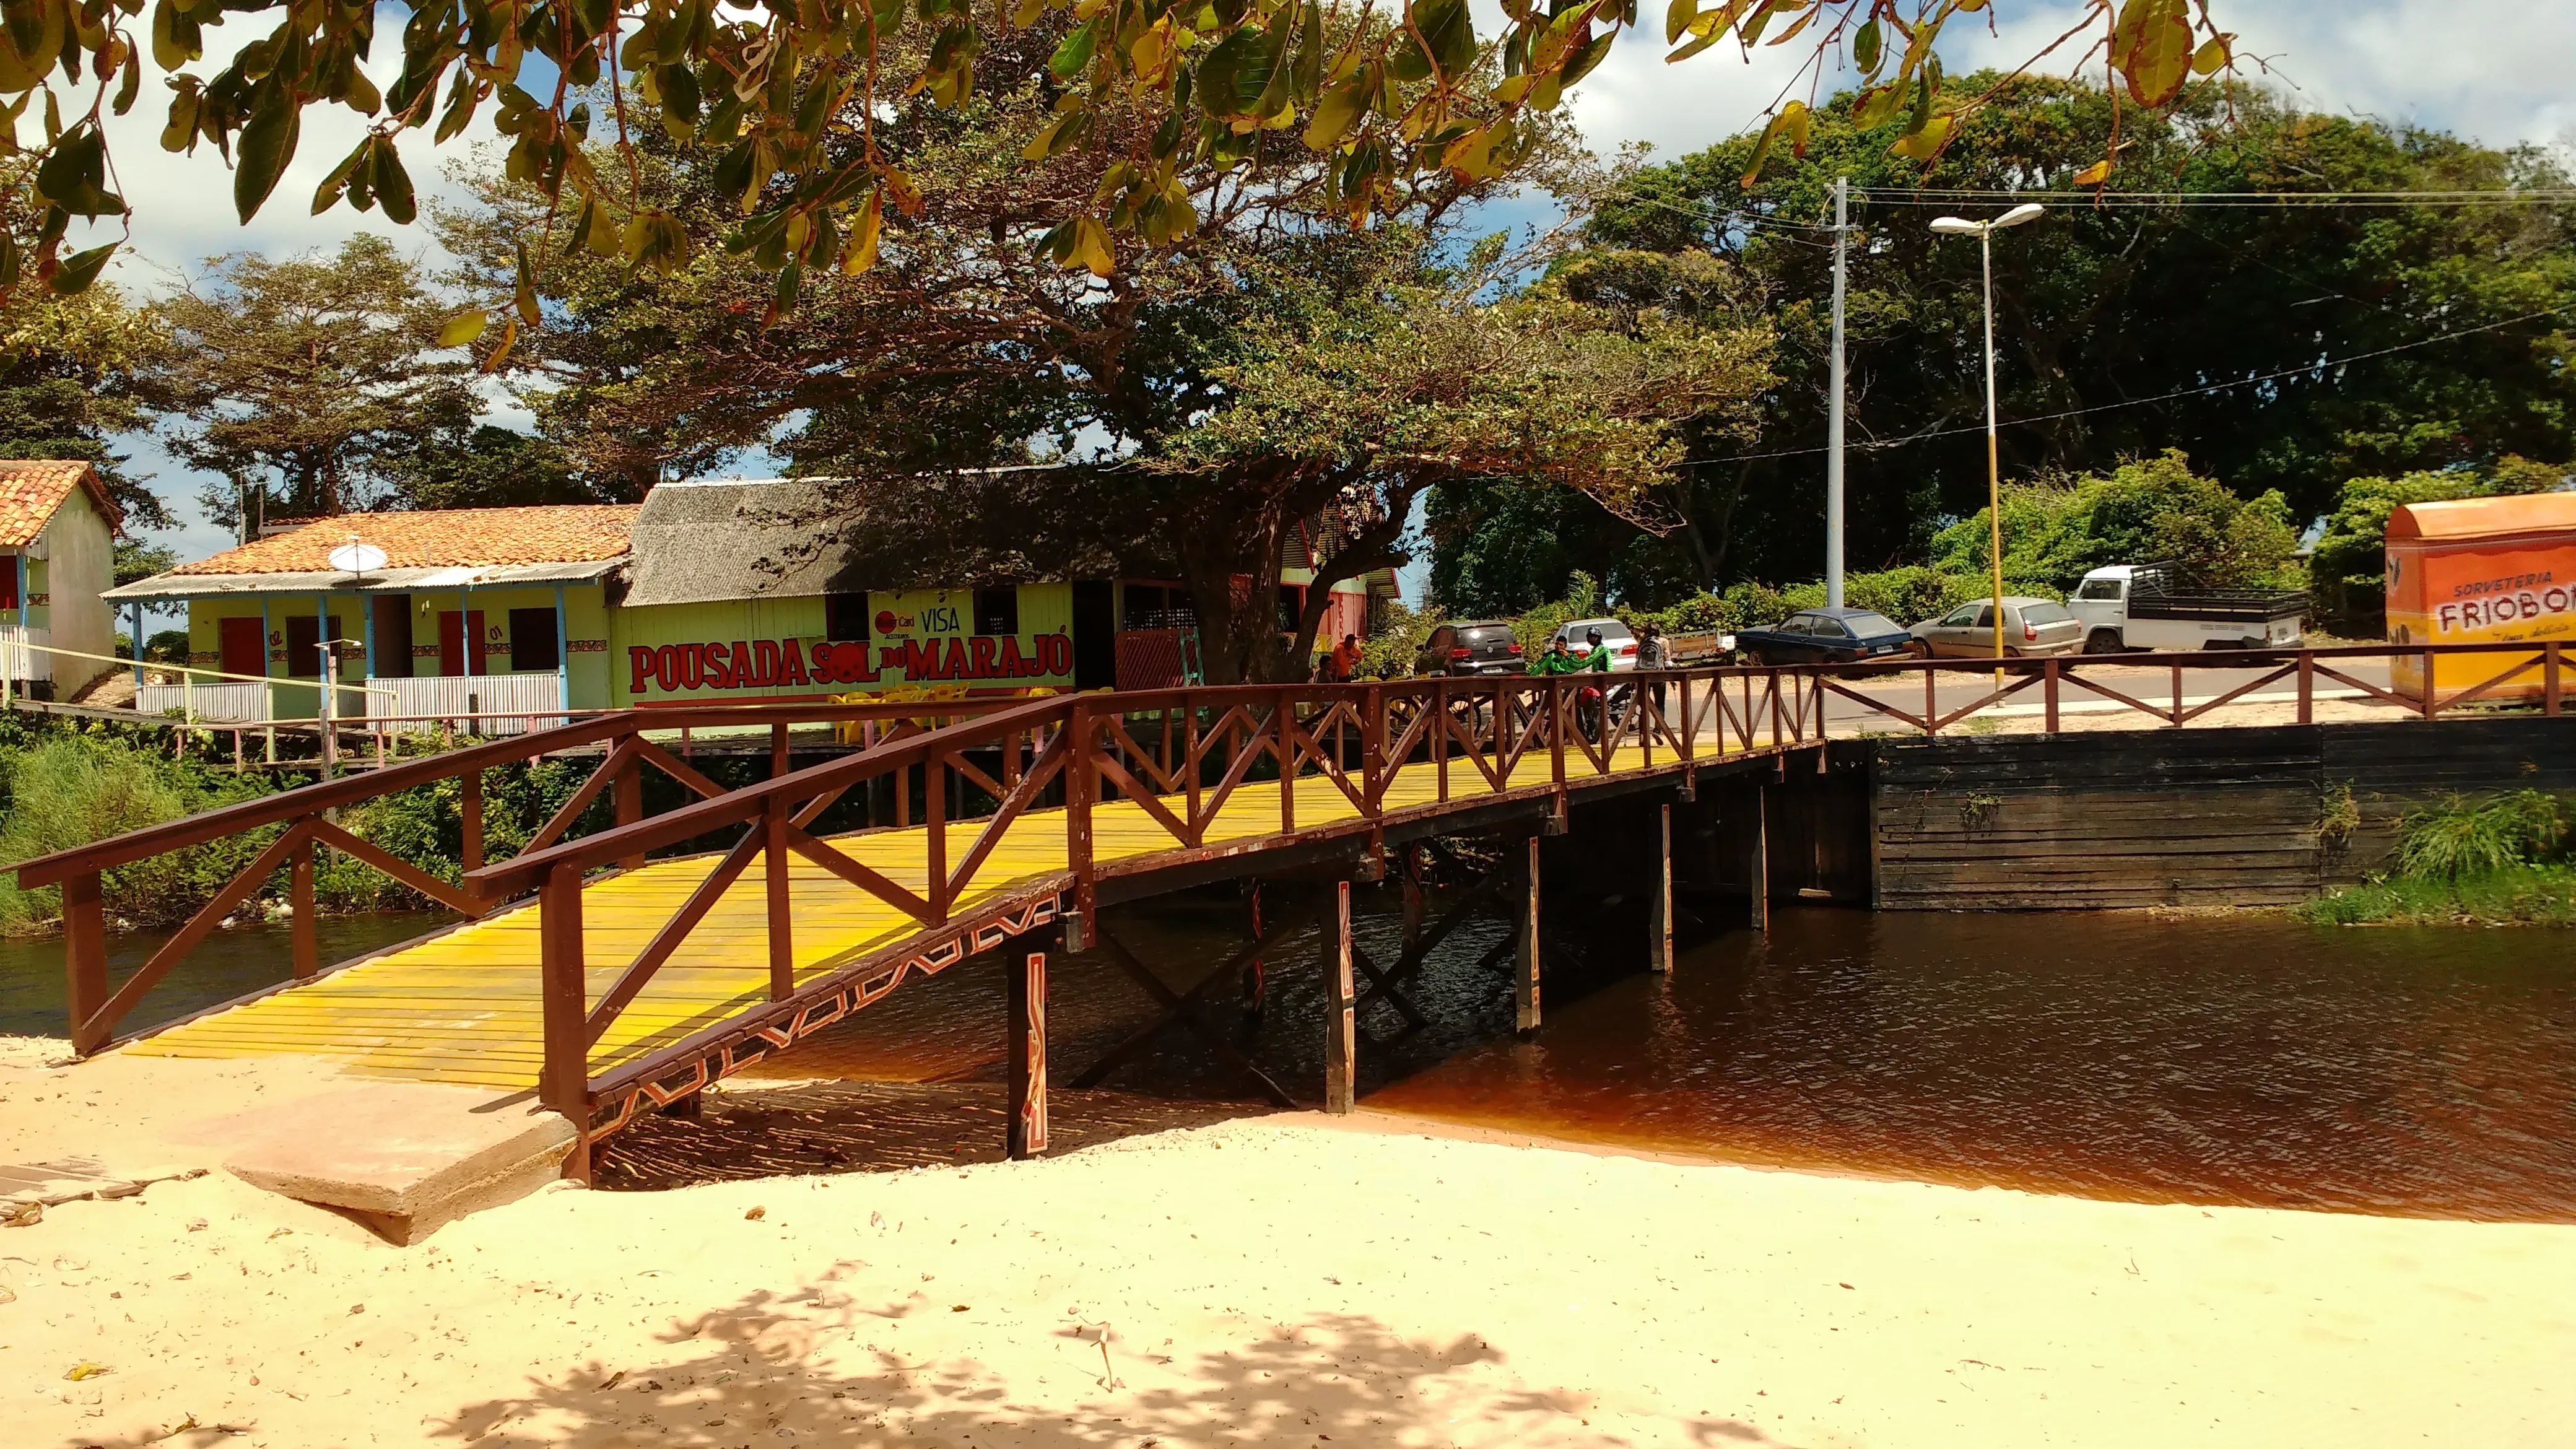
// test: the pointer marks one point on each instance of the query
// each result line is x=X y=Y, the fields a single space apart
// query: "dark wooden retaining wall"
x=2248 y=816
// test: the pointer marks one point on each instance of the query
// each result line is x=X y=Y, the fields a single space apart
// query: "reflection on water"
x=2242 y=1061
x=227 y=964
x=2217 y=1060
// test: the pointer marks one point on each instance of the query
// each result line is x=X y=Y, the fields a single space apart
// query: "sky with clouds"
x=2492 y=70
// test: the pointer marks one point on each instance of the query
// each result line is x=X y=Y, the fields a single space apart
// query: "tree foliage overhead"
x=67 y=370
x=2454 y=315
x=1180 y=93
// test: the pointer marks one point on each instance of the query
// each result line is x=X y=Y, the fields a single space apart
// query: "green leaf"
x=1925 y=142
x=1073 y=56
x=8 y=260
x=1865 y=47
x=1451 y=33
x=80 y=269
x=393 y=184
x=326 y=195
x=2212 y=57
x=1677 y=18
x=1338 y=111
x=526 y=296
x=267 y=144
x=463 y=328
x=679 y=89
x=509 y=336
x=181 y=133
x=1762 y=149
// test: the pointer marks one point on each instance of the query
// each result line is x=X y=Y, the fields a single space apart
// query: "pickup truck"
x=2143 y=606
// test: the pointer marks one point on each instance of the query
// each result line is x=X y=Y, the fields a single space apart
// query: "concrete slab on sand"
x=402 y=1157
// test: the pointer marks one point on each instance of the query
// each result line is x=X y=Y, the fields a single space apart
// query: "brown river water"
x=2243 y=1060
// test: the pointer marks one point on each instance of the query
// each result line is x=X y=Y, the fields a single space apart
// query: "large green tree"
x=296 y=381
x=1226 y=88
x=2101 y=311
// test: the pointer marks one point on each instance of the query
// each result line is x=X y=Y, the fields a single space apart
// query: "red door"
x=241 y=646
x=457 y=632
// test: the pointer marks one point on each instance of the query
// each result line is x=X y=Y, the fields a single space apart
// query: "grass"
x=2524 y=895
x=2500 y=861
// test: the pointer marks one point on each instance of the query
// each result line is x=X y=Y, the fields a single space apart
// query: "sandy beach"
x=1287 y=1279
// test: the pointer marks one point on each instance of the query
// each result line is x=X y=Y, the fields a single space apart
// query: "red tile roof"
x=442 y=538
x=32 y=489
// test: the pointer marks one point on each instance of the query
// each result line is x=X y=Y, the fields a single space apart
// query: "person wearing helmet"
x=1597 y=655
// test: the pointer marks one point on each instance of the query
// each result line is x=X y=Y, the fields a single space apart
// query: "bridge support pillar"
x=1758 y=869
x=1659 y=931
x=1341 y=1008
x=1525 y=954
x=1026 y=982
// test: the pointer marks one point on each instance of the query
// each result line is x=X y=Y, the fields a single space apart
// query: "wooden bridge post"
x=1079 y=788
x=1026 y=984
x=630 y=806
x=1759 y=868
x=84 y=959
x=470 y=817
x=1659 y=939
x=1525 y=955
x=563 y=1083
x=307 y=949
x=774 y=878
x=1341 y=1009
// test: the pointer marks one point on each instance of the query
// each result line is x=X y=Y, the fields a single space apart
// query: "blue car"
x=1827 y=636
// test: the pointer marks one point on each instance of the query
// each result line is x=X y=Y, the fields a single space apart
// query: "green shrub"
x=2459 y=840
x=69 y=789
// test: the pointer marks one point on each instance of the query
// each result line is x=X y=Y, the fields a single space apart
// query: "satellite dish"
x=354 y=557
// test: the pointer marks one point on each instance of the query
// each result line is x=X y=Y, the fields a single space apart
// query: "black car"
x=1826 y=636
x=1470 y=646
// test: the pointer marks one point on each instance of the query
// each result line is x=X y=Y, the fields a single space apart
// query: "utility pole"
x=1834 y=413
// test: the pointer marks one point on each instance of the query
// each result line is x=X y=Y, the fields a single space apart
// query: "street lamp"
x=1984 y=232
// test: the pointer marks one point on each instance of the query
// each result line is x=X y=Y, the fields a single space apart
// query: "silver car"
x=2031 y=627
x=1615 y=637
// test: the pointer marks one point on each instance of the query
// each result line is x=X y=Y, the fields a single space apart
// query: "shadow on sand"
x=813 y=1366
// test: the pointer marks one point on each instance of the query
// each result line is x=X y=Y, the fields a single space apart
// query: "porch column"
x=563 y=660
x=137 y=615
x=367 y=676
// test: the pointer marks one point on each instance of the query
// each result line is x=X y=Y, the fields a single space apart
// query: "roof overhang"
x=177 y=587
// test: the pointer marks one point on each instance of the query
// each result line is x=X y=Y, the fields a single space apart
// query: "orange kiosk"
x=2477 y=571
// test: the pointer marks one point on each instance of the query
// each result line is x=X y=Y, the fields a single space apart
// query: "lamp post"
x=1984 y=232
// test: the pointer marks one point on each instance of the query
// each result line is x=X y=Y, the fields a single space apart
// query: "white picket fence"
x=429 y=702
x=229 y=703
x=22 y=653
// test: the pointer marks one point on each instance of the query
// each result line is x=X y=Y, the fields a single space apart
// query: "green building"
x=707 y=592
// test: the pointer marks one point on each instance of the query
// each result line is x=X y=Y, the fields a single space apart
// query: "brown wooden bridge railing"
x=1180 y=757
x=305 y=817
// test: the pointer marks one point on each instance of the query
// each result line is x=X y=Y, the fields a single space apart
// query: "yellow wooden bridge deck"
x=463 y=1006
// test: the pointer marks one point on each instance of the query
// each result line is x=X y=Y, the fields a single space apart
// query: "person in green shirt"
x=1557 y=660
x=1598 y=658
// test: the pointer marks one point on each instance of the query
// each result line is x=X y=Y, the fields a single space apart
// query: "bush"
x=70 y=789
x=2460 y=840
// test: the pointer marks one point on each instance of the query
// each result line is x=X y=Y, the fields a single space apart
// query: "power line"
x=2303 y=370
x=1894 y=196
